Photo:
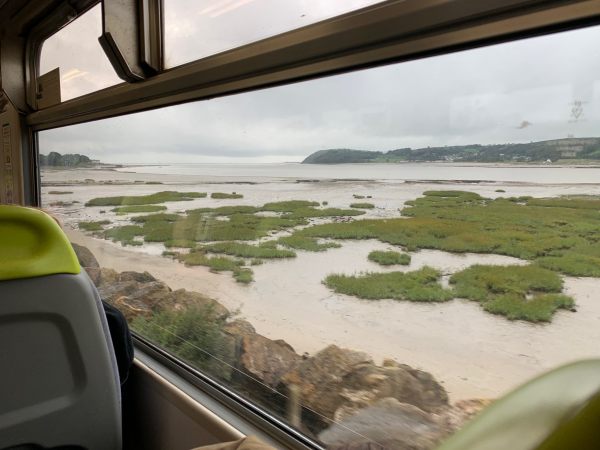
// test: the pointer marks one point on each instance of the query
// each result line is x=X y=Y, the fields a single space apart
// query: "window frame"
x=399 y=31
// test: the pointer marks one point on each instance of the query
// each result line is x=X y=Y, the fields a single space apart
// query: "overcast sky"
x=517 y=92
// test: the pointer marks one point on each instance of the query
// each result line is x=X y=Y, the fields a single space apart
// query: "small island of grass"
x=362 y=205
x=97 y=225
x=224 y=195
x=389 y=258
x=159 y=197
x=417 y=286
x=138 y=209
x=527 y=293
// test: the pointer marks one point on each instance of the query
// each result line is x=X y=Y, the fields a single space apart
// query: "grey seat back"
x=58 y=380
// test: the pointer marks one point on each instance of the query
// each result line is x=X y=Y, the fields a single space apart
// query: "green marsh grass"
x=306 y=243
x=225 y=195
x=125 y=234
x=363 y=205
x=389 y=258
x=159 y=197
x=138 y=209
x=417 y=286
x=197 y=257
x=540 y=308
x=528 y=293
x=242 y=250
x=94 y=225
x=460 y=222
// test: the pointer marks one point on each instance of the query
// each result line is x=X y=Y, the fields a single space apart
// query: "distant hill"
x=568 y=148
x=54 y=159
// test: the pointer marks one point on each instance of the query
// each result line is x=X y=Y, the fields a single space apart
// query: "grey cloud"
x=478 y=96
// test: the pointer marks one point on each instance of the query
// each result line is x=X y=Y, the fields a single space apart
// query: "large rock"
x=266 y=360
x=320 y=379
x=387 y=424
x=336 y=383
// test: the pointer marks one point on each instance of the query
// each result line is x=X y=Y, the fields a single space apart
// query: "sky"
x=535 y=89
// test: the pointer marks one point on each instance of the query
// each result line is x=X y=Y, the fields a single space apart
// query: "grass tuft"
x=223 y=195
x=389 y=258
x=306 y=243
x=97 y=225
x=417 y=286
x=362 y=205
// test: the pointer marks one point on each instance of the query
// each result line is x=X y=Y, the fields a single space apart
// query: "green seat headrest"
x=32 y=244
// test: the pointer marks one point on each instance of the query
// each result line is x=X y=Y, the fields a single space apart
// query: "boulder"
x=386 y=424
x=239 y=328
x=266 y=360
x=336 y=383
x=320 y=378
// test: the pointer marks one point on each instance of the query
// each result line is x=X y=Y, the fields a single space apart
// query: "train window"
x=372 y=256
x=75 y=49
x=195 y=29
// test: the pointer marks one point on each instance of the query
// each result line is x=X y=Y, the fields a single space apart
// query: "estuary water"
x=536 y=174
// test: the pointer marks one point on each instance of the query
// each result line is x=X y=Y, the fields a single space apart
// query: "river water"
x=542 y=174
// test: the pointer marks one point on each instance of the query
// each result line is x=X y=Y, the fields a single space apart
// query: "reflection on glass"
x=199 y=28
x=437 y=247
x=75 y=49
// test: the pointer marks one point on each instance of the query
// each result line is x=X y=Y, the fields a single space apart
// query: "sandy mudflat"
x=475 y=354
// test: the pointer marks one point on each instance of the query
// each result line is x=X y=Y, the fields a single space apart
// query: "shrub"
x=193 y=334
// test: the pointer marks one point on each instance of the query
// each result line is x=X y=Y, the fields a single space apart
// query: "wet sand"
x=473 y=353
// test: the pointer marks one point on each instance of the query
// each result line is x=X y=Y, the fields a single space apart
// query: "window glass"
x=400 y=245
x=198 y=28
x=75 y=49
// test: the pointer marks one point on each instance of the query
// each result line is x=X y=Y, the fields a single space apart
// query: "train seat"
x=59 y=384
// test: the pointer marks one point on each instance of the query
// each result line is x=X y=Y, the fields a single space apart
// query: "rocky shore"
x=347 y=401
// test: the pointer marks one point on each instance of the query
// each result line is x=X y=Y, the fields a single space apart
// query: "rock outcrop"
x=337 y=382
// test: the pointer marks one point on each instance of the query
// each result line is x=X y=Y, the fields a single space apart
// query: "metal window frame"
x=384 y=33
